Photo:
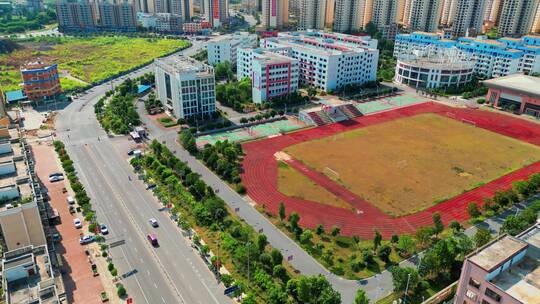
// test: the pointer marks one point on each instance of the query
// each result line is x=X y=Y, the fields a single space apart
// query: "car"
x=86 y=239
x=56 y=237
x=130 y=152
x=152 y=238
x=70 y=200
x=56 y=178
x=56 y=174
x=151 y=186
x=77 y=222
x=153 y=222
x=103 y=229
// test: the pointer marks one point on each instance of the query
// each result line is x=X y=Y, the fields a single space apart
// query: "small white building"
x=185 y=86
x=225 y=47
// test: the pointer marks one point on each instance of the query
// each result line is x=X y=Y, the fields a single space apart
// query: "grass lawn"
x=167 y=122
x=90 y=59
x=407 y=165
x=294 y=184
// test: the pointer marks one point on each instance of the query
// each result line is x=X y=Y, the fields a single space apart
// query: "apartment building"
x=425 y=15
x=328 y=61
x=40 y=81
x=384 y=16
x=224 y=48
x=493 y=58
x=29 y=276
x=117 y=16
x=503 y=271
x=516 y=17
x=272 y=74
x=78 y=15
x=448 y=12
x=275 y=14
x=185 y=86
x=312 y=14
x=348 y=15
x=469 y=17
x=183 y=8
x=216 y=12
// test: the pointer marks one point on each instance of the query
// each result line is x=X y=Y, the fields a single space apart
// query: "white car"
x=153 y=222
x=56 y=178
x=77 y=222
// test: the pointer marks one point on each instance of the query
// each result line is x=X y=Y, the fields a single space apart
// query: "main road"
x=171 y=273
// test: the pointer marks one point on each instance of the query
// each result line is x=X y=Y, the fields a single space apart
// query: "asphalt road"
x=171 y=273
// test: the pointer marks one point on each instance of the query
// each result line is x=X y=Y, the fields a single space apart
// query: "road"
x=171 y=273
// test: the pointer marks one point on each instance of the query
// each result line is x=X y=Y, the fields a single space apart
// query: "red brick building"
x=517 y=92
x=40 y=81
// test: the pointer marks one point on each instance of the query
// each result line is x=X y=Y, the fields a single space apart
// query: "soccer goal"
x=470 y=122
x=332 y=174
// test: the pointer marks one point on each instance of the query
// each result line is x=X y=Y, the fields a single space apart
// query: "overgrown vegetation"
x=116 y=110
x=224 y=71
x=255 y=267
x=234 y=94
x=224 y=158
x=28 y=20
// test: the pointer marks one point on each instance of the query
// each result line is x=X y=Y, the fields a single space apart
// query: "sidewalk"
x=81 y=286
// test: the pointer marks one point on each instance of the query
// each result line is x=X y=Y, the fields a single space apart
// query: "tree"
x=261 y=242
x=313 y=290
x=384 y=253
x=455 y=226
x=277 y=257
x=513 y=225
x=306 y=236
x=403 y=278
x=294 y=218
x=361 y=297
x=438 y=224
x=377 y=239
x=319 y=230
x=481 y=237
x=335 y=231
x=472 y=209
x=406 y=245
x=121 y=291
x=423 y=235
x=394 y=239
x=281 y=211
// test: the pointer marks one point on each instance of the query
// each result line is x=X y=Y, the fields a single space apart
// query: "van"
x=152 y=238
x=70 y=200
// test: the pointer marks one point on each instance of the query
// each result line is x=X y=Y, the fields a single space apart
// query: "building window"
x=493 y=295
x=474 y=283
x=168 y=86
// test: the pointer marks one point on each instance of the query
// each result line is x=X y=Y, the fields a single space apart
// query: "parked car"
x=56 y=237
x=103 y=229
x=77 y=222
x=152 y=238
x=56 y=178
x=153 y=222
x=56 y=174
x=70 y=200
x=151 y=186
x=86 y=239
x=130 y=152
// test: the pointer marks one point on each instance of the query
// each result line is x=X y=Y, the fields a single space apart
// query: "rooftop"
x=496 y=252
x=265 y=56
x=181 y=64
x=524 y=84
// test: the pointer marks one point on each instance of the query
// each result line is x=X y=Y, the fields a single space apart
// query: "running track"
x=260 y=174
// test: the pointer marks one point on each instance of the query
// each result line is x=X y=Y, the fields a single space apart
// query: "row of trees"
x=152 y=103
x=223 y=157
x=257 y=268
x=234 y=94
x=118 y=114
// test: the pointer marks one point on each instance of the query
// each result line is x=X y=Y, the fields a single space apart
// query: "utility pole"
x=407 y=289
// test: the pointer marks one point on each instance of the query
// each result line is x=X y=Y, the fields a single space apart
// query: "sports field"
x=294 y=184
x=407 y=165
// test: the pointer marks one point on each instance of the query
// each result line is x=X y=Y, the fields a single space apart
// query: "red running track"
x=260 y=174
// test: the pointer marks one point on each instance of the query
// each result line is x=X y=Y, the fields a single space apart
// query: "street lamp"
x=406 y=289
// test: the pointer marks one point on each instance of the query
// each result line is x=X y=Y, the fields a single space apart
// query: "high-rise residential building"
x=294 y=7
x=469 y=17
x=312 y=14
x=384 y=16
x=328 y=61
x=224 y=48
x=516 y=17
x=145 y=6
x=117 y=16
x=368 y=10
x=348 y=15
x=329 y=14
x=185 y=86
x=448 y=12
x=216 y=12
x=275 y=14
x=504 y=270
x=79 y=15
x=40 y=81
x=272 y=74
x=424 y=15
x=536 y=24
x=183 y=8
x=406 y=17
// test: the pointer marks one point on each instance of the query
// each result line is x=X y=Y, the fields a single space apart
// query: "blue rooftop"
x=141 y=88
x=13 y=96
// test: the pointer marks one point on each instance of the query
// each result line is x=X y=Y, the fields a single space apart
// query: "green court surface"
x=389 y=103
x=258 y=131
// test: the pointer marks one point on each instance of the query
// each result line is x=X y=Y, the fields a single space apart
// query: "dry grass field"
x=407 y=165
x=294 y=184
